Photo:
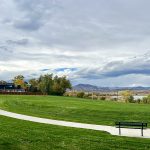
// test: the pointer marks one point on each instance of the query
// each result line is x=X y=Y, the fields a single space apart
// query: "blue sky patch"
x=63 y=69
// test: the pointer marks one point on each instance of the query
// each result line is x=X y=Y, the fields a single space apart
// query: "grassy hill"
x=23 y=135
x=74 y=109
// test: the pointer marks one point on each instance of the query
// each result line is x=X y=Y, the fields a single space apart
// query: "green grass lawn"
x=23 y=135
x=74 y=109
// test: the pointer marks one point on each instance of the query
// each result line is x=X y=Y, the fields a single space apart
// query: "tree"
x=50 y=85
x=33 y=85
x=127 y=96
x=60 y=84
x=19 y=82
x=45 y=83
x=2 y=82
x=56 y=87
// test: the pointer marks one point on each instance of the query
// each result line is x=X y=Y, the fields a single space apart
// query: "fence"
x=20 y=93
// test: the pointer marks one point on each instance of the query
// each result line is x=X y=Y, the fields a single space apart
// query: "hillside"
x=89 y=87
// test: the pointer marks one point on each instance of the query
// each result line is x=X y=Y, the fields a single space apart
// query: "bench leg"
x=119 y=131
x=142 y=130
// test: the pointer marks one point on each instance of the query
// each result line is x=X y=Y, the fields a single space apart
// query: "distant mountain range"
x=89 y=87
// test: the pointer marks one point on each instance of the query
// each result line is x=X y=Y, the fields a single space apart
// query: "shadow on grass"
x=5 y=144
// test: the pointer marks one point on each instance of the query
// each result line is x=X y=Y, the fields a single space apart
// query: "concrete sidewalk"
x=112 y=130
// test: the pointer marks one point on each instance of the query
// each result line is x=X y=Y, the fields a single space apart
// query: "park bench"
x=132 y=125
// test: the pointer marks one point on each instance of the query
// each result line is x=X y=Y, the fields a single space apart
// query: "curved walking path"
x=112 y=130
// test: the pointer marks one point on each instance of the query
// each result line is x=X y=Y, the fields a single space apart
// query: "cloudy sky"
x=100 y=42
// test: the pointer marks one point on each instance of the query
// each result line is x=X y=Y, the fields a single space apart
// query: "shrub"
x=94 y=97
x=145 y=100
x=86 y=96
x=130 y=99
x=148 y=99
x=114 y=99
x=66 y=94
x=127 y=96
x=80 y=94
x=138 y=101
x=103 y=98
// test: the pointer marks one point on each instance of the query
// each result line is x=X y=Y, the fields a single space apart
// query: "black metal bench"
x=132 y=125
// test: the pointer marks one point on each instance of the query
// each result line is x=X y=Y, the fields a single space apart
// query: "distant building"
x=10 y=87
x=7 y=86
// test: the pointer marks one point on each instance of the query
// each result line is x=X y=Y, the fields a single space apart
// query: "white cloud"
x=98 y=37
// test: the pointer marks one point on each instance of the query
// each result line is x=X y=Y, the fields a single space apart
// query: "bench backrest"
x=134 y=124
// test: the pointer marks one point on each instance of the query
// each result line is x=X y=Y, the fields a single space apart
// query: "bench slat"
x=137 y=124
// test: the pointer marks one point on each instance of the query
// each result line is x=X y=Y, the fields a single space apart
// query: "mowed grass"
x=23 y=135
x=75 y=109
